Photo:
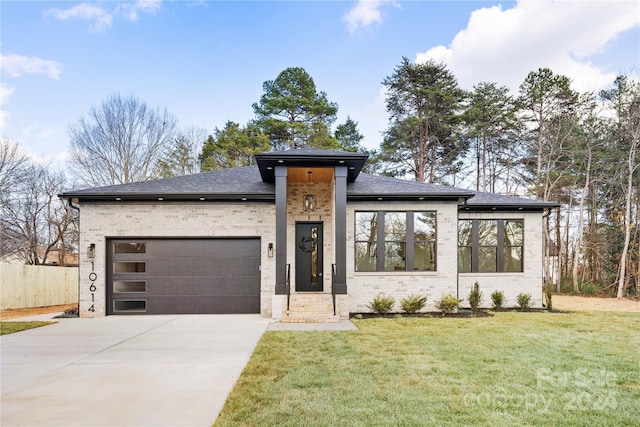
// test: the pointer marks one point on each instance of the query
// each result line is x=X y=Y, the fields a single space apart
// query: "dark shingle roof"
x=246 y=183
x=373 y=186
x=499 y=201
x=222 y=184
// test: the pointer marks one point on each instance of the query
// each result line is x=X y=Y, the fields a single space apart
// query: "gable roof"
x=247 y=183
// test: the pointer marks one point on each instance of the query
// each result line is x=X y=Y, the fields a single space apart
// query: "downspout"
x=73 y=207
x=461 y=204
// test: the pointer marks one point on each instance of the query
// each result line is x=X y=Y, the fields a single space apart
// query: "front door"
x=308 y=256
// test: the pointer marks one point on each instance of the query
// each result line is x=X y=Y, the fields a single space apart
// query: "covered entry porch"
x=311 y=231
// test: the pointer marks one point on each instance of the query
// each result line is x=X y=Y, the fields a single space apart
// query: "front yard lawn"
x=13 y=327
x=511 y=369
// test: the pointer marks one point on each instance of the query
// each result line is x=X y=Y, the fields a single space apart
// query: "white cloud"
x=100 y=18
x=503 y=46
x=130 y=11
x=363 y=14
x=17 y=65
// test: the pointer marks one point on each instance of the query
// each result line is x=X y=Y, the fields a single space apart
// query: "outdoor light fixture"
x=91 y=252
x=309 y=203
x=270 y=250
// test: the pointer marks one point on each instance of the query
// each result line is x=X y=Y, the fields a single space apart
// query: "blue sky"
x=206 y=61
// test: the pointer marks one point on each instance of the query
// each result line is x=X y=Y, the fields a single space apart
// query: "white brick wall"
x=100 y=221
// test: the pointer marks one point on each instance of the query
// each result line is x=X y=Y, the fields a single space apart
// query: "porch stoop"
x=310 y=308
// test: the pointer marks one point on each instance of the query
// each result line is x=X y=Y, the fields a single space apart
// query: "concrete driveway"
x=125 y=370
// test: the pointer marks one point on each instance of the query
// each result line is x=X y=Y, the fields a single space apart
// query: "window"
x=395 y=241
x=366 y=240
x=489 y=246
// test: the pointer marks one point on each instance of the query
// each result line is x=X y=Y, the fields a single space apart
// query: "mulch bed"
x=462 y=313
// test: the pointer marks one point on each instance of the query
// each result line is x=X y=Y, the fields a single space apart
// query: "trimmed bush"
x=448 y=304
x=524 y=301
x=413 y=303
x=475 y=297
x=381 y=304
x=497 y=300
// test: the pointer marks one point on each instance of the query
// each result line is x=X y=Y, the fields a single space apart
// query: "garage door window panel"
x=129 y=286
x=129 y=267
x=129 y=248
x=129 y=306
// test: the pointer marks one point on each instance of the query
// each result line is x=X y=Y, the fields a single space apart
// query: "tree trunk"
x=627 y=223
x=578 y=248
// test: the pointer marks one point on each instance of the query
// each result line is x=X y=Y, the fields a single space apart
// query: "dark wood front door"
x=308 y=256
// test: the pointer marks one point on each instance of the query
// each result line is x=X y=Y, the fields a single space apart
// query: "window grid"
x=481 y=250
x=395 y=246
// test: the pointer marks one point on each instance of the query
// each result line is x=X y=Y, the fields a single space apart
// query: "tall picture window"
x=395 y=241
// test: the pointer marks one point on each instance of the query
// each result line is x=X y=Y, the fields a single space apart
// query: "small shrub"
x=413 y=303
x=475 y=297
x=524 y=301
x=590 y=289
x=381 y=304
x=448 y=304
x=497 y=300
x=358 y=316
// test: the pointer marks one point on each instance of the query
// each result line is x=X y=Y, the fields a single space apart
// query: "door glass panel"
x=314 y=255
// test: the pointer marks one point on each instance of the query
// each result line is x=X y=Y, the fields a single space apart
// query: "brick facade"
x=100 y=221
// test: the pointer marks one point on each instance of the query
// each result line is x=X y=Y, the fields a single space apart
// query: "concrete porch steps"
x=310 y=308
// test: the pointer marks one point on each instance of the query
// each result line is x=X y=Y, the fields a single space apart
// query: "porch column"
x=281 y=230
x=341 y=230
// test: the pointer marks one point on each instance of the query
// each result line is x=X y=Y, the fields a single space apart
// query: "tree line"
x=547 y=141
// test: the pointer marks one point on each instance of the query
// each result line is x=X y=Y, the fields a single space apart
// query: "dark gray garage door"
x=183 y=276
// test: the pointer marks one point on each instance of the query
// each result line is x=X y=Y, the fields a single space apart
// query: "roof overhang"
x=460 y=199
x=520 y=207
x=167 y=197
x=267 y=162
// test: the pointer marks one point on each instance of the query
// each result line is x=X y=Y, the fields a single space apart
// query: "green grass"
x=512 y=369
x=13 y=327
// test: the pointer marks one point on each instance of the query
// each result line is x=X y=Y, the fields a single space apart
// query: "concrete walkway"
x=125 y=370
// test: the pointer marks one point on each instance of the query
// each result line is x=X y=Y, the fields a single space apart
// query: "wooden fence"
x=26 y=286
